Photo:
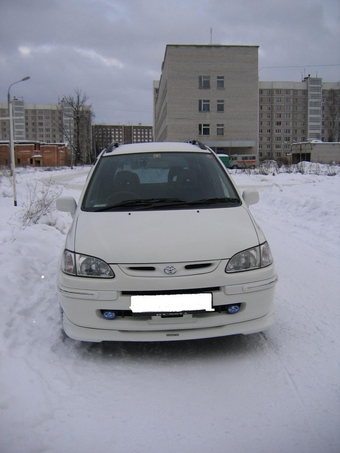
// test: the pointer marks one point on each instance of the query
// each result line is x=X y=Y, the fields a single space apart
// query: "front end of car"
x=153 y=301
x=163 y=247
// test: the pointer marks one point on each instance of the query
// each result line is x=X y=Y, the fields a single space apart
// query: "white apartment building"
x=38 y=122
x=209 y=93
x=212 y=93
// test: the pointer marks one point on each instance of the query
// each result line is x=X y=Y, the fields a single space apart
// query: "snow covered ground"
x=275 y=392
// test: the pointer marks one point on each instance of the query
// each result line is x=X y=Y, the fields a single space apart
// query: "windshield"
x=168 y=180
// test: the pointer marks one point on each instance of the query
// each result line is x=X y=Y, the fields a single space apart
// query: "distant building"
x=291 y=112
x=209 y=93
x=39 y=122
x=315 y=151
x=46 y=123
x=104 y=134
x=35 y=154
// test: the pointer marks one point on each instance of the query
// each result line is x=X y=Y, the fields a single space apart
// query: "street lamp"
x=11 y=138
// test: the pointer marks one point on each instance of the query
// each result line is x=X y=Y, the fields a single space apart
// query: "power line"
x=300 y=66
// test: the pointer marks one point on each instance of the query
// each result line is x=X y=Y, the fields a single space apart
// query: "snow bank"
x=265 y=393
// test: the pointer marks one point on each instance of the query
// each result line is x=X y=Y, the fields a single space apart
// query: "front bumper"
x=174 y=331
x=82 y=301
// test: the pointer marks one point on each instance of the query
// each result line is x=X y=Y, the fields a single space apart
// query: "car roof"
x=155 y=147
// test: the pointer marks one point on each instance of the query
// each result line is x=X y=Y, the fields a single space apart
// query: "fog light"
x=108 y=314
x=234 y=308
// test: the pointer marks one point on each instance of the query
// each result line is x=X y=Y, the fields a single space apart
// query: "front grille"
x=142 y=268
x=158 y=270
x=197 y=266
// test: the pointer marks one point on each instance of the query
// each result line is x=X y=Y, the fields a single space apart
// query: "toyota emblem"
x=170 y=270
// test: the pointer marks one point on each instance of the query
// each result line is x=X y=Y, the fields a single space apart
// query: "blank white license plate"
x=171 y=303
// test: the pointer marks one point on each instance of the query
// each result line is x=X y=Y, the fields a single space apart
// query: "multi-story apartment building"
x=291 y=112
x=48 y=123
x=38 y=122
x=104 y=134
x=209 y=93
x=212 y=93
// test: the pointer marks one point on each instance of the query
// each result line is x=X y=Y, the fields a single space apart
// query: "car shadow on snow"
x=170 y=351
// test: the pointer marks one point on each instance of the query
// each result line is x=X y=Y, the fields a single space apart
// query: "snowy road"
x=275 y=392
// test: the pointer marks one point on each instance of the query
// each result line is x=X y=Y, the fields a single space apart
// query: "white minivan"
x=163 y=247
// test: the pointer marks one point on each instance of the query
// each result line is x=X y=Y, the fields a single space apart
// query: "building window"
x=204 y=82
x=220 y=129
x=220 y=106
x=220 y=82
x=204 y=129
x=204 y=105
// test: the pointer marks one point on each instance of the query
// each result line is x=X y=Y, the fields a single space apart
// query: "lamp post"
x=11 y=137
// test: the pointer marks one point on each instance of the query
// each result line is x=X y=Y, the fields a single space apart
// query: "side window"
x=204 y=129
x=204 y=82
x=204 y=105
x=220 y=82
x=220 y=129
x=220 y=105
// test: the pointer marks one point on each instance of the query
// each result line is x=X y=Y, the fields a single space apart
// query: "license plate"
x=168 y=303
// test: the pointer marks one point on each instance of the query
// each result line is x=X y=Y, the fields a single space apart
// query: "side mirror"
x=66 y=204
x=251 y=197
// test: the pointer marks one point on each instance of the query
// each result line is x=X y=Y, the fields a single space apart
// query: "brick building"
x=104 y=134
x=49 y=124
x=35 y=154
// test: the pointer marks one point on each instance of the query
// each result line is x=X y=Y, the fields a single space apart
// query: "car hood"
x=163 y=236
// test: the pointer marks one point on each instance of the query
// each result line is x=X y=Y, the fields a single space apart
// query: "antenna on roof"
x=210 y=36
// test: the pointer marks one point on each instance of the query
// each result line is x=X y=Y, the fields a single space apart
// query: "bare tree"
x=76 y=119
x=332 y=107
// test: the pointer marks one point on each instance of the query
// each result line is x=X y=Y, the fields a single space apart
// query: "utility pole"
x=11 y=138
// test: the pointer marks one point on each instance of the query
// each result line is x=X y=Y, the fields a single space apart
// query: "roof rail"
x=198 y=143
x=111 y=147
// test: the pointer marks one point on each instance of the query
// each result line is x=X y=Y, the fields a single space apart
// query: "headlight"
x=85 y=266
x=250 y=259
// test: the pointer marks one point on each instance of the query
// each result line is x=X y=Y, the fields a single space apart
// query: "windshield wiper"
x=224 y=200
x=140 y=203
x=173 y=202
x=155 y=203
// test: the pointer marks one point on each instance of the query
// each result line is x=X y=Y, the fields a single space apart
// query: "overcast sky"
x=113 y=49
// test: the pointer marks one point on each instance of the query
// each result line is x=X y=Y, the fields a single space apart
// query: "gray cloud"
x=113 y=49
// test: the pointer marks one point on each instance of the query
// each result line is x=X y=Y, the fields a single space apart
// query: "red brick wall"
x=35 y=155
